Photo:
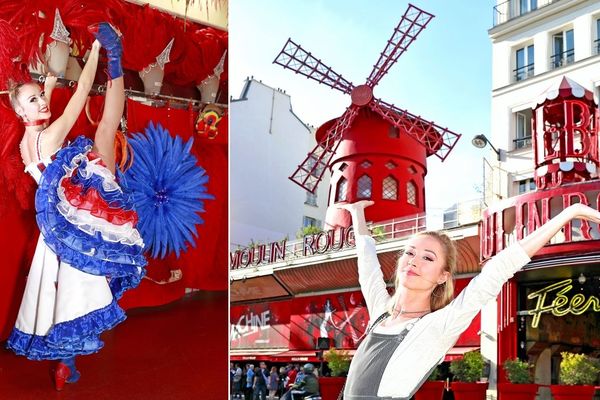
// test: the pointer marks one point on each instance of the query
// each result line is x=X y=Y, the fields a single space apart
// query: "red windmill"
x=375 y=150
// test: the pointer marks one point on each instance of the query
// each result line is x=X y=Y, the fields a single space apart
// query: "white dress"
x=88 y=253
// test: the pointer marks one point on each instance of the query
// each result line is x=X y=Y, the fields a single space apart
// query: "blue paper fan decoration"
x=167 y=187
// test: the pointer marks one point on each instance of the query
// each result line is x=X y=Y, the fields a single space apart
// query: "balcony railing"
x=511 y=9
x=522 y=143
x=564 y=58
x=460 y=214
x=596 y=47
x=523 y=72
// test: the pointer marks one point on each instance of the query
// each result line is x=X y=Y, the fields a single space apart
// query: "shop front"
x=294 y=330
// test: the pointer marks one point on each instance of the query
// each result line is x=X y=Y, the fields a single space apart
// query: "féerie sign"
x=562 y=304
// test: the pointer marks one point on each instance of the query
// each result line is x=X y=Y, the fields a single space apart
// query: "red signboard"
x=341 y=317
x=297 y=324
x=260 y=325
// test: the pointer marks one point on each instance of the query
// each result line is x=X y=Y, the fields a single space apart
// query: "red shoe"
x=61 y=374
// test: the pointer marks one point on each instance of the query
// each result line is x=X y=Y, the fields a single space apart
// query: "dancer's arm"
x=370 y=275
x=55 y=134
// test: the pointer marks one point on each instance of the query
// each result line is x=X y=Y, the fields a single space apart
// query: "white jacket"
x=433 y=335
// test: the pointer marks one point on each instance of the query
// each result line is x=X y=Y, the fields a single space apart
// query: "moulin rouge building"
x=288 y=297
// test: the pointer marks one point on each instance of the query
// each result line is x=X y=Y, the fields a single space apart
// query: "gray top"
x=373 y=355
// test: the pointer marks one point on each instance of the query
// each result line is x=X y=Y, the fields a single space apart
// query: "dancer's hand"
x=49 y=85
x=96 y=45
x=50 y=82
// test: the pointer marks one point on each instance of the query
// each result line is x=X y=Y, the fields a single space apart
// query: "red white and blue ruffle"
x=89 y=253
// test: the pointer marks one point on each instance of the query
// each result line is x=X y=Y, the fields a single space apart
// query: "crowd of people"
x=290 y=382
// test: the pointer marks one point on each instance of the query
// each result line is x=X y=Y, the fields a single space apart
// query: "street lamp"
x=480 y=141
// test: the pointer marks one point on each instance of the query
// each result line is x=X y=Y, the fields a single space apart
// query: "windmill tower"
x=375 y=150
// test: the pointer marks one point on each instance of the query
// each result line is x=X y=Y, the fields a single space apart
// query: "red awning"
x=296 y=356
x=253 y=354
x=278 y=355
x=458 y=352
x=302 y=355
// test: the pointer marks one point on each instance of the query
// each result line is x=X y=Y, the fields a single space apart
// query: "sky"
x=444 y=76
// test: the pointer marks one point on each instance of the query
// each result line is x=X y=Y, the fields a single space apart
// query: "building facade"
x=268 y=142
x=546 y=56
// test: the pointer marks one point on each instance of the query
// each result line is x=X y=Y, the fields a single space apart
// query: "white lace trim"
x=84 y=220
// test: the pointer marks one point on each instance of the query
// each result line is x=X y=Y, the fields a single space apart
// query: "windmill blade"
x=294 y=57
x=438 y=140
x=412 y=23
x=311 y=171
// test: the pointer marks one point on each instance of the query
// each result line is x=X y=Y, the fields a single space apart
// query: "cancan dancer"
x=89 y=250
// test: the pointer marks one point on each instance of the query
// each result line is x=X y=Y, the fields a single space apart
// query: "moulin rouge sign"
x=318 y=243
x=525 y=213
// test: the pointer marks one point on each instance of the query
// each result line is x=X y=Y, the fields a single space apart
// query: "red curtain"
x=205 y=266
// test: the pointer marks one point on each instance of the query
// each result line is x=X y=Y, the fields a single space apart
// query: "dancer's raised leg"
x=114 y=102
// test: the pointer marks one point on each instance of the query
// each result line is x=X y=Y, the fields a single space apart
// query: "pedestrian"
x=273 y=384
x=249 y=392
x=260 y=382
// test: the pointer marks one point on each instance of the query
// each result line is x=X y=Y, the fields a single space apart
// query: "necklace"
x=403 y=311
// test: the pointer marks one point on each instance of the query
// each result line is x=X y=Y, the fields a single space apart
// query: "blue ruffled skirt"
x=89 y=252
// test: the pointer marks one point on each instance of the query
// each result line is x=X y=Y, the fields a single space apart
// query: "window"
x=523 y=129
x=366 y=164
x=390 y=165
x=597 y=41
x=309 y=221
x=526 y=6
x=341 y=190
x=393 y=132
x=311 y=199
x=412 y=170
x=526 y=185
x=411 y=193
x=563 y=47
x=390 y=188
x=525 y=63
x=364 y=188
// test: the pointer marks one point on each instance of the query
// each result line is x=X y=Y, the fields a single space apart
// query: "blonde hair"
x=13 y=93
x=443 y=293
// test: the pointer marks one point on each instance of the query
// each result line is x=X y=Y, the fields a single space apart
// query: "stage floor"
x=177 y=351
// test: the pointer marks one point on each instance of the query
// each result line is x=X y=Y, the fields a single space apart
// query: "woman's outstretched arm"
x=56 y=133
x=533 y=242
x=370 y=276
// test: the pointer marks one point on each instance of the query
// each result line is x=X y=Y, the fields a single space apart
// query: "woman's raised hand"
x=357 y=211
x=582 y=211
x=538 y=238
x=359 y=205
